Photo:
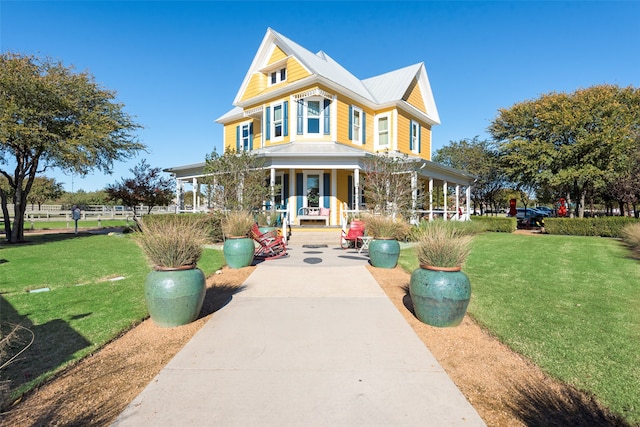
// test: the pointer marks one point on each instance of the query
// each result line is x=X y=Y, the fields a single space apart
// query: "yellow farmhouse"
x=314 y=123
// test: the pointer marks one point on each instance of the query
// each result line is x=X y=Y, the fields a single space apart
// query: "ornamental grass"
x=442 y=244
x=175 y=241
x=386 y=227
x=237 y=224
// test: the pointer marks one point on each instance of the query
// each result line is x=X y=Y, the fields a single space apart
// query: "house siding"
x=414 y=96
x=343 y=124
x=295 y=70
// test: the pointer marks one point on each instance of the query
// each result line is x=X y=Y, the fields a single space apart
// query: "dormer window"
x=277 y=76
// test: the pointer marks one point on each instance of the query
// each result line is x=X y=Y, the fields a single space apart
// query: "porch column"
x=468 y=194
x=195 y=193
x=430 y=199
x=292 y=209
x=356 y=188
x=414 y=196
x=458 y=201
x=444 y=191
x=272 y=189
x=334 y=200
x=179 y=195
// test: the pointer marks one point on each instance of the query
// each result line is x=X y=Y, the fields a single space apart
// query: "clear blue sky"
x=178 y=65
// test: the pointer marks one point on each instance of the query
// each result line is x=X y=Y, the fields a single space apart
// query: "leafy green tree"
x=569 y=142
x=387 y=184
x=147 y=187
x=480 y=159
x=53 y=117
x=44 y=190
x=238 y=180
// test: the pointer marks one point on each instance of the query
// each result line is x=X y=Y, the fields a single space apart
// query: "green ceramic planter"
x=440 y=298
x=174 y=297
x=384 y=253
x=238 y=251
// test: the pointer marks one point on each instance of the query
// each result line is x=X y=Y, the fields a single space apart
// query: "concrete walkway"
x=312 y=340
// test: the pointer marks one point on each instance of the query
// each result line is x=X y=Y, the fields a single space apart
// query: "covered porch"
x=321 y=183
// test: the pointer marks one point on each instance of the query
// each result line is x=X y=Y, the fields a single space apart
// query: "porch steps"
x=329 y=236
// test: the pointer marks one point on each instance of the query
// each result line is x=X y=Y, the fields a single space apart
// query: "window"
x=277 y=121
x=278 y=76
x=414 y=142
x=357 y=125
x=245 y=137
x=313 y=116
x=276 y=117
x=383 y=132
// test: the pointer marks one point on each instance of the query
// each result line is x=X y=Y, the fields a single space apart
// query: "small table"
x=365 y=243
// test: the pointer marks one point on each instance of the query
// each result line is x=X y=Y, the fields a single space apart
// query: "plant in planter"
x=238 y=248
x=384 y=249
x=440 y=291
x=174 y=290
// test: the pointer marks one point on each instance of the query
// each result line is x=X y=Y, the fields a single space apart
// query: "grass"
x=569 y=304
x=82 y=309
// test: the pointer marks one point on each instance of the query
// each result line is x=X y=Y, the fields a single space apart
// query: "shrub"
x=237 y=223
x=443 y=244
x=457 y=227
x=631 y=236
x=610 y=226
x=173 y=241
x=498 y=224
x=381 y=226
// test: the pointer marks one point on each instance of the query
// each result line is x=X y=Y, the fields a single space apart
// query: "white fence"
x=62 y=213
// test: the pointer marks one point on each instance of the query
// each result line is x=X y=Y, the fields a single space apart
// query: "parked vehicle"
x=546 y=210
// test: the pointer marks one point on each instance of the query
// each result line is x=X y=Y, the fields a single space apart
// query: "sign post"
x=75 y=214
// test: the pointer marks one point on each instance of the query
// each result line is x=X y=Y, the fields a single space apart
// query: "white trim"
x=415 y=144
x=376 y=134
x=272 y=121
x=355 y=109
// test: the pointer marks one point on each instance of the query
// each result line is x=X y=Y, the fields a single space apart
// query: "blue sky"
x=178 y=65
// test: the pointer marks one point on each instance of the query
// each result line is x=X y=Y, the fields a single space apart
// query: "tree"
x=387 y=184
x=480 y=159
x=569 y=142
x=147 y=187
x=44 y=189
x=53 y=117
x=238 y=180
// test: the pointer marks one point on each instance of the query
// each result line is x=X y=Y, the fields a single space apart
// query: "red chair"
x=271 y=244
x=350 y=238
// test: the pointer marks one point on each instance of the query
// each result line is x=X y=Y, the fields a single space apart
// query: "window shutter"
x=327 y=190
x=350 y=122
x=299 y=189
x=285 y=189
x=237 y=139
x=285 y=118
x=251 y=136
x=300 y=121
x=327 y=117
x=364 y=128
x=410 y=135
x=419 y=138
x=268 y=130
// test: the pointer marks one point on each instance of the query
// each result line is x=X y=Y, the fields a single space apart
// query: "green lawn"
x=88 y=290
x=569 y=304
x=70 y=225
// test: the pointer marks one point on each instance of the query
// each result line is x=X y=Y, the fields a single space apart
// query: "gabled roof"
x=387 y=88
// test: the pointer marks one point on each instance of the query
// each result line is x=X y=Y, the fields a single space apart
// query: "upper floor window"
x=357 y=125
x=414 y=142
x=313 y=116
x=383 y=131
x=276 y=116
x=277 y=76
x=245 y=136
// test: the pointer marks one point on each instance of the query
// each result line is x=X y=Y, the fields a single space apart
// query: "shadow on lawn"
x=54 y=343
x=538 y=405
x=535 y=405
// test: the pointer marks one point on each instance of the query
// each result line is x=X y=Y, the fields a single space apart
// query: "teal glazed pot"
x=384 y=253
x=238 y=251
x=174 y=297
x=440 y=296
